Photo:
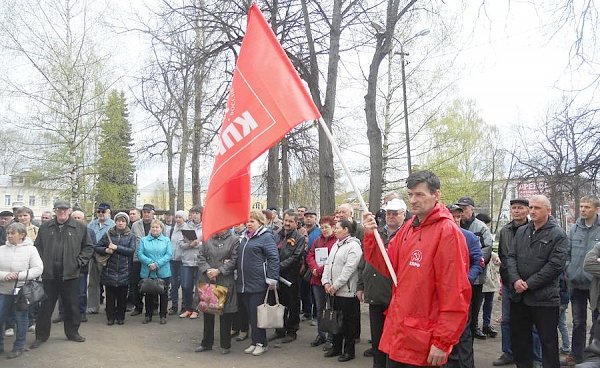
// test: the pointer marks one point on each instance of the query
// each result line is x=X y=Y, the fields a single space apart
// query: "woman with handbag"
x=19 y=261
x=119 y=245
x=340 y=276
x=258 y=270
x=216 y=262
x=154 y=253
x=316 y=258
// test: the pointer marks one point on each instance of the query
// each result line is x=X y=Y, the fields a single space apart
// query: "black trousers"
x=68 y=290
x=344 y=342
x=476 y=300
x=152 y=299
x=461 y=355
x=224 y=330
x=289 y=297
x=377 y=319
x=522 y=320
x=135 y=297
x=240 y=321
x=116 y=302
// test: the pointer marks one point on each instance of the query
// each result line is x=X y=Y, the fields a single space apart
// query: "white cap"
x=395 y=204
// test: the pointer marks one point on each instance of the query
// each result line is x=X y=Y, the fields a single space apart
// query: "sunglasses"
x=101 y=211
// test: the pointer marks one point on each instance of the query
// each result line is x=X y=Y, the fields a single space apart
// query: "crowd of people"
x=442 y=257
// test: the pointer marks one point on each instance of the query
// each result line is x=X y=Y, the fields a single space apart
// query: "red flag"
x=267 y=99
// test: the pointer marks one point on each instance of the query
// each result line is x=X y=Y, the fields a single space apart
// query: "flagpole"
x=382 y=249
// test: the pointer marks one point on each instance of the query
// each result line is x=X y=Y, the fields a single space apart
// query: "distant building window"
x=31 y=201
x=44 y=201
x=257 y=206
x=18 y=180
x=19 y=197
x=7 y=201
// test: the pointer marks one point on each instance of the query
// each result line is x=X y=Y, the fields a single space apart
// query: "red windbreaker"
x=430 y=305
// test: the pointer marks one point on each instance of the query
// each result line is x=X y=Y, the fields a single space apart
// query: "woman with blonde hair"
x=258 y=270
x=154 y=253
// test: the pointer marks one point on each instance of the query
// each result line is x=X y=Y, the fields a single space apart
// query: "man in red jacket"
x=430 y=304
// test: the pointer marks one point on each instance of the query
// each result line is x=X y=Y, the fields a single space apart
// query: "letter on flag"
x=267 y=99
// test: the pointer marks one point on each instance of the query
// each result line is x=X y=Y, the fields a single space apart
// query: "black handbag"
x=30 y=293
x=331 y=319
x=152 y=286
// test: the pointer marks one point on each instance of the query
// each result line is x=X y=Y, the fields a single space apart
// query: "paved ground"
x=172 y=345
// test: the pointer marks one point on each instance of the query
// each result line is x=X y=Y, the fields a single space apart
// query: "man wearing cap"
x=583 y=235
x=462 y=353
x=429 y=307
x=375 y=288
x=100 y=226
x=65 y=247
x=535 y=261
x=470 y=222
x=140 y=229
x=312 y=232
x=291 y=255
x=519 y=210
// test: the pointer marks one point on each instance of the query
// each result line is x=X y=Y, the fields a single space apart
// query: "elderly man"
x=65 y=248
x=470 y=222
x=583 y=235
x=535 y=261
x=46 y=216
x=376 y=289
x=430 y=256
x=346 y=211
x=291 y=252
x=100 y=226
x=519 y=210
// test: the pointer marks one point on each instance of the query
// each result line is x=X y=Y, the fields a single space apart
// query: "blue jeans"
x=175 y=283
x=505 y=328
x=562 y=327
x=579 y=308
x=488 y=304
x=318 y=292
x=7 y=309
x=188 y=281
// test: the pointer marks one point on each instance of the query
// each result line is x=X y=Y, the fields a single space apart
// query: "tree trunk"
x=285 y=174
x=273 y=184
x=197 y=129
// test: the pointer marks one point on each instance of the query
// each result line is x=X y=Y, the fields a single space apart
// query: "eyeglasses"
x=101 y=211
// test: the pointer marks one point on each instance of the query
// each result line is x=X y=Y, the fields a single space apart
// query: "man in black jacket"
x=65 y=248
x=291 y=255
x=535 y=261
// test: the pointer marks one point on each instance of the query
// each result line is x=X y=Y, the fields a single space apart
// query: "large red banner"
x=267 y=99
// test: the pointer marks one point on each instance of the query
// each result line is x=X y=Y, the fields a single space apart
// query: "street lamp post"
x=406 y=128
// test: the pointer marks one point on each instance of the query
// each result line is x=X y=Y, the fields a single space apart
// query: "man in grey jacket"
x=470 y=222
x=583 y=235
x=65 y=247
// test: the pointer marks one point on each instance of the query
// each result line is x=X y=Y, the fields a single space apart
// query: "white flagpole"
x=360 y=198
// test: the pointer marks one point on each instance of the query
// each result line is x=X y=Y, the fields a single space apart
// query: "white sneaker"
x=31 y=328
x=250 y=349
x=9 y=332
x=259 y=350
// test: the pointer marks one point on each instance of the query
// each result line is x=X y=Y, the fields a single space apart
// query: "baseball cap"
x=523 y=201
x=104 y=206
x=454 y=207
x=148 y=207
x=395 y=204
x=62 y=204
x=465 y=201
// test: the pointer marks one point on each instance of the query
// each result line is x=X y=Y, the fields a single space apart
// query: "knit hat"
x=122 y=214
x=181 y=214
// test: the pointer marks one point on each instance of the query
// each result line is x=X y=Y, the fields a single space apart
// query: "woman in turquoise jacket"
x=155 y=253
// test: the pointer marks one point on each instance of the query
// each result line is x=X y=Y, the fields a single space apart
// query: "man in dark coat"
x=291 y=256
x=535 y=261
x=65 y=247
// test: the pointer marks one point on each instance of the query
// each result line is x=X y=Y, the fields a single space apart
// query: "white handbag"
x=270 y=316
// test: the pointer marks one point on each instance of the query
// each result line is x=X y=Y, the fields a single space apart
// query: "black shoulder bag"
x=30 y=293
